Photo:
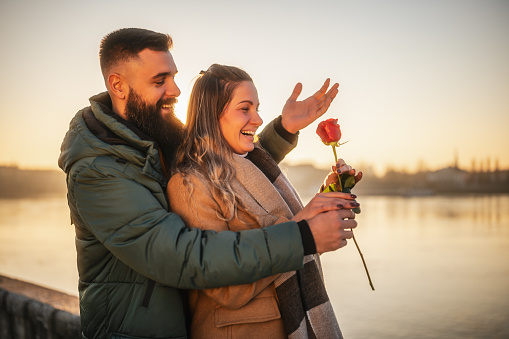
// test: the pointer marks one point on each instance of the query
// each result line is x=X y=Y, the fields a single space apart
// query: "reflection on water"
x=37 y=242
x=439 y=265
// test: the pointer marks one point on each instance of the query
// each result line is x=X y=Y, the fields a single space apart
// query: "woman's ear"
x=117 y=86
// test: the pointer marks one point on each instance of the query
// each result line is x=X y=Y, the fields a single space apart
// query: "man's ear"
x=118 y=87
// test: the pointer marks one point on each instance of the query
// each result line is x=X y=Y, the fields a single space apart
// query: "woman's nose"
x=256 y=119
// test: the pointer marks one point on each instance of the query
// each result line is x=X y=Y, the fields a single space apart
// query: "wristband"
x=308 y=242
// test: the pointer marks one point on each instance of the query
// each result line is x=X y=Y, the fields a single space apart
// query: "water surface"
x=440 y=265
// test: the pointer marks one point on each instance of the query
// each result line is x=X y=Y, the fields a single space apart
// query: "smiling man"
x=134 y=255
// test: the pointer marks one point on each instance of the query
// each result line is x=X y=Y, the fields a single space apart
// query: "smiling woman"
x=212 y=132
x=240 y=119
x=226 y=181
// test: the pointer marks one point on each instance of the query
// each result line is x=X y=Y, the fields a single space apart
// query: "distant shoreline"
x=21 y=183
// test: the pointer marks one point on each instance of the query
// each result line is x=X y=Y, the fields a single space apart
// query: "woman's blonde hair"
x=204 y=151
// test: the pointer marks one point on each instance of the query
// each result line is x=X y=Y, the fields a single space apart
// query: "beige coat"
x=242 y=311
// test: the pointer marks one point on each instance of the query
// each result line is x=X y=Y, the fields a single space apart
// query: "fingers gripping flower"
x=330 y=133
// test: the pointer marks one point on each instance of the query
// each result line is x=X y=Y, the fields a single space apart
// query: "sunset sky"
x=420 y=81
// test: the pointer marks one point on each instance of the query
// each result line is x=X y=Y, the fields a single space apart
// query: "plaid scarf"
x=303 y=301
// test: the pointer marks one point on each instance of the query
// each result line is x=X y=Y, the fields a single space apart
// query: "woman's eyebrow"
x=248 y=101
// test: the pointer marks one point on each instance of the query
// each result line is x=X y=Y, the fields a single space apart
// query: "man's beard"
x=166 y=131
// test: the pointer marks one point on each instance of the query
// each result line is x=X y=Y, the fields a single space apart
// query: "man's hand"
x=299 y=114
x=331 y=229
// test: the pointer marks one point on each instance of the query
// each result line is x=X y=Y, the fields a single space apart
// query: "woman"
x=225 y=181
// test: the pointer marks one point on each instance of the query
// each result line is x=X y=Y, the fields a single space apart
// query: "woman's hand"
x=340 y=168
x=299 y=114
x=323 y=202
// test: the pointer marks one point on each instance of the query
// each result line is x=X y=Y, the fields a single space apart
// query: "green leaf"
x=350 y=182
x=330 y=188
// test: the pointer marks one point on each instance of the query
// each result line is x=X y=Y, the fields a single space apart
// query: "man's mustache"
x=169 y=101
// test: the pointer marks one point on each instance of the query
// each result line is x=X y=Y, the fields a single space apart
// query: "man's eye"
x=160 y=82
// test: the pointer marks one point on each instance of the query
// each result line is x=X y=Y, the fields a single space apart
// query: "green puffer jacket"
x=133 y=255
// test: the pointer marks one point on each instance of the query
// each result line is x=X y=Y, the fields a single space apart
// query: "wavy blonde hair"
x=204 y=151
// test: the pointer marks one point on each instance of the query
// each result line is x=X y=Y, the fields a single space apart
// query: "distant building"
x=449 y=176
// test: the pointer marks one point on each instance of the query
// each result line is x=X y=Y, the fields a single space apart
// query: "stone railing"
x=31 y=311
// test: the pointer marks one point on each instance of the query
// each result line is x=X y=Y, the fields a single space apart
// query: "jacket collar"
x=97 y=131
x=103 y=102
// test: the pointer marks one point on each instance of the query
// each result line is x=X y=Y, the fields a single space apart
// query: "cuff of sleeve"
x=278 y=126
x=308 y=242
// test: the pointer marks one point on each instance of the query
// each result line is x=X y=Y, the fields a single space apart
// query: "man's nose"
x=172 y=90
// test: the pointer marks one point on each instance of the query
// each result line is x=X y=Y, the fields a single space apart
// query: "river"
x=440 y=265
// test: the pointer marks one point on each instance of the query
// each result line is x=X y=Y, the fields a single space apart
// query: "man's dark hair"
x=125 y=44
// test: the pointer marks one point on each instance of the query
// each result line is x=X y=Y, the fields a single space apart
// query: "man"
x=134 y=256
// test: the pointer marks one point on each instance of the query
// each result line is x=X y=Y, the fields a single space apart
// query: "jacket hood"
x=97 y=131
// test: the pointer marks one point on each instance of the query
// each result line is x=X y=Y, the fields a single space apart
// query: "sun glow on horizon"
x=411 y=93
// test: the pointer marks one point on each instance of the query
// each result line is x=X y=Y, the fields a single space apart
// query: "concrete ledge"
x=31 y=311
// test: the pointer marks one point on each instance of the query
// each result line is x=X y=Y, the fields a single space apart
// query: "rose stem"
x=363 y=262
x=353 y=235
x=339 y=177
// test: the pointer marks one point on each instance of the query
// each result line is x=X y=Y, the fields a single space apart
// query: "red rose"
x=329 y=131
